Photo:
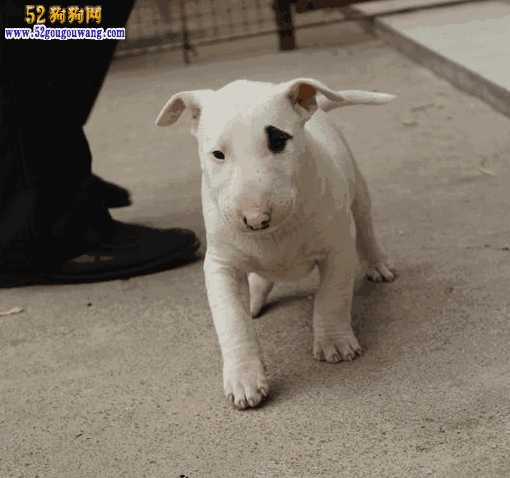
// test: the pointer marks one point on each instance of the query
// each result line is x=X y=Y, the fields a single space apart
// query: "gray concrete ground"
x=123 y=379
x=466 y=44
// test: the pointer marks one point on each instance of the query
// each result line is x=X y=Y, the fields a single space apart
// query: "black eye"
x=276 y=139
x=218 y=155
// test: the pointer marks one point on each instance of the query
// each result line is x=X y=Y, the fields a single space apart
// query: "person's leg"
x=48 y=90
x=49 y=207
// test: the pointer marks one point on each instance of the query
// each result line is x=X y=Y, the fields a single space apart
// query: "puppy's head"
x=251 y=141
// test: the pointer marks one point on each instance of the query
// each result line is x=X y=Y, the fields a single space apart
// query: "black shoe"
x=113 y=196
x=132 y=250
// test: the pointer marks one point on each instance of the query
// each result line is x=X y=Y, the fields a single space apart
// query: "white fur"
x=316 y=198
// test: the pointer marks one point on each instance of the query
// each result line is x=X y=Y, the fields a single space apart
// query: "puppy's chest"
x=282 y=261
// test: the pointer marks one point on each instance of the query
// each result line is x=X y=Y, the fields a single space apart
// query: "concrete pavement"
x=467 y=44
x=123 y=379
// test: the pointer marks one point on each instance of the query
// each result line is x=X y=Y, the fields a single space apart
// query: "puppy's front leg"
x=334 y=339
x=244 y=380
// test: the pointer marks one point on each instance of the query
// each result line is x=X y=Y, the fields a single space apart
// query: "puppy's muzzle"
x=257 y=220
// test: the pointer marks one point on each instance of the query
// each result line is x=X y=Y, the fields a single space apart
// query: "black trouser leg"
x=48 y=212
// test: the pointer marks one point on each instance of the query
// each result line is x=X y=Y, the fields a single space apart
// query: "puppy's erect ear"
x=303 y=95
x=175 y=106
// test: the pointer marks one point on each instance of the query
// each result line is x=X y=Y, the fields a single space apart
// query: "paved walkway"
x=469 y=44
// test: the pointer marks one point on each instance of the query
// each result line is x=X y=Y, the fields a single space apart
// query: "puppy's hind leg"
x=379 y=268
x=259 y=290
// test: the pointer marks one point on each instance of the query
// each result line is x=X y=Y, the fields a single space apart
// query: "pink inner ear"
x=177 y=107
x=306 y=95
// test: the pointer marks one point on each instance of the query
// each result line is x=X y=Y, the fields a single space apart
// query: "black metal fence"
x=187 y=24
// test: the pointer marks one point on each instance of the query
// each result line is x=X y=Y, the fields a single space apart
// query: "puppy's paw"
x=336 y=348
x=259 y=290
x=245 y=384
x=381 y=271
x=256 y=304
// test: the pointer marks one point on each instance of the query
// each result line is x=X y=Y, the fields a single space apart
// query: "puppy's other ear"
x=302 y=93
x=175 y=106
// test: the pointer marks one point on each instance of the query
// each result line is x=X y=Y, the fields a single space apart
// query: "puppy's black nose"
x=257 y=220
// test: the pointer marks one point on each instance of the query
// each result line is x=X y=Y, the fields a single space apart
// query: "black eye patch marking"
x=276 y=139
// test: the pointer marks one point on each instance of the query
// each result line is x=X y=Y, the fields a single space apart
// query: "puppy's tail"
x=353 y=97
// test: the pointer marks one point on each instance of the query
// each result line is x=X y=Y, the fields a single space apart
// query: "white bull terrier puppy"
x=281 y=194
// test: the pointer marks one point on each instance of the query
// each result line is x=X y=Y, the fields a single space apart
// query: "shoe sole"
x=162 y=263
x=118 y=204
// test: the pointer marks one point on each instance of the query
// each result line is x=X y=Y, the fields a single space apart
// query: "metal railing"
x=188 y=24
